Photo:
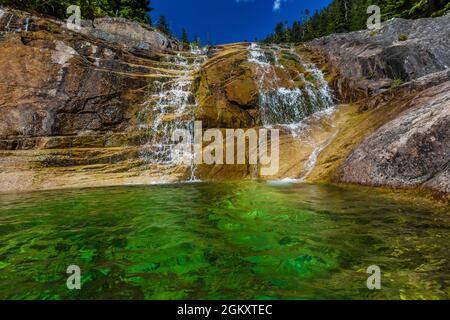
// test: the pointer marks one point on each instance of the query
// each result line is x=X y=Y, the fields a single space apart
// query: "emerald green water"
x=246 y=240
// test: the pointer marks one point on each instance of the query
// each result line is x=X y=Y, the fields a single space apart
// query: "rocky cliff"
x=91 y=107
x=370 y=62
x=70 y=101
x=399 y=78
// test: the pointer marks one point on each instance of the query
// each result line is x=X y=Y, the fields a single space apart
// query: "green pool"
x=243 y=240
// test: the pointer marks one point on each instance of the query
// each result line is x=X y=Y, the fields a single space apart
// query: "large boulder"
x=411 y=150
x=230 y=84
x=401 y=51
x=129 y=33
x=227 y=93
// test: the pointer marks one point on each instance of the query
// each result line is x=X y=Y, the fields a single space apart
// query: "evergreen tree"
x=137 y=10
x=163 y=25
x=350 y=15
x=184 y=37
x=279 y=33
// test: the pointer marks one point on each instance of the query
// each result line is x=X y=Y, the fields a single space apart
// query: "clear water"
x=243 y=240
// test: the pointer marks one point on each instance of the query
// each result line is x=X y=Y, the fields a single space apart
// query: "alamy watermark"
x=374 y=20
x=374 y=280
x=74 y=280
x=228 y=146
x=74 y=20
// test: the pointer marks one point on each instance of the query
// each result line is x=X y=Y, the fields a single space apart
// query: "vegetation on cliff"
x=131 y=9
x=350 y=15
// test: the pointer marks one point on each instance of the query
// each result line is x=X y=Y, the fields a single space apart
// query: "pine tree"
x=184 y=37
x=279 y=33
x=163 y=26
x=350 y=15
x=137 y=10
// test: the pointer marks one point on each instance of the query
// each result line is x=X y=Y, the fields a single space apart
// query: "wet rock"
x=243 y=92
x=56 y=82
x=69 y=102
x=227 y=93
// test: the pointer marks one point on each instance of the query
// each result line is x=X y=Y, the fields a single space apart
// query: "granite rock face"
x=129 y=33
x=56 y=82
x=407 y=63
x=75 y=106
x=70 y=100
x=411 y=150
x=227 y=93
x=402 y=50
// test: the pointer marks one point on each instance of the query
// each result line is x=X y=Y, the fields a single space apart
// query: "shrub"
x=396 y=83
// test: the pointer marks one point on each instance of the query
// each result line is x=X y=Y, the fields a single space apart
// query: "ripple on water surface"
x=243 y=240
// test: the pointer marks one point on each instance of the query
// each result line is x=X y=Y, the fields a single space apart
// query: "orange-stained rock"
x=242 y=91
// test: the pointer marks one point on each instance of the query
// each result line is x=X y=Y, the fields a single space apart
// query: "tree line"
x=350 y=15
x=137 y=10
x=131 y=9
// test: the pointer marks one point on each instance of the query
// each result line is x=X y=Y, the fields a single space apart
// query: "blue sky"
x=225 y=21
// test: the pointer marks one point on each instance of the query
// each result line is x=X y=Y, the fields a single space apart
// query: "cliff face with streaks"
x=94 y=107
x=399 y=77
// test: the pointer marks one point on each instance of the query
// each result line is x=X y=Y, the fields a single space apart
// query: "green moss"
x=402 y=37
x=396 y=83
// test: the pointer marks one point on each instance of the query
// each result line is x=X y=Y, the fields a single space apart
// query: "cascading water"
x=171 y=104
x=286 y=101
x=280 y=105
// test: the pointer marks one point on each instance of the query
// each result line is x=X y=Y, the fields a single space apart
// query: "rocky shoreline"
x=72 y=104
x=408 y=80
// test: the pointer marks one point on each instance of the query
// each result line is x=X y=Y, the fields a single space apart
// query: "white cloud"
x=276 y=5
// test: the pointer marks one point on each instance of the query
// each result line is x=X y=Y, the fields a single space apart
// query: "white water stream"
x=290 y=107
x=172 y=104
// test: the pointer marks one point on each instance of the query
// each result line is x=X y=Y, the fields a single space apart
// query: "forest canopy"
x=350 y=15
x=131 y=9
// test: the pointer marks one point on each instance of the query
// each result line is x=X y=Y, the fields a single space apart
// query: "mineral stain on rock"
x=75 y=107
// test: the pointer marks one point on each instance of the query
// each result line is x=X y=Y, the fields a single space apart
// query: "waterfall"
x=282 y=105
x=287 y=96
x=291 y=99
x=170 y=106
